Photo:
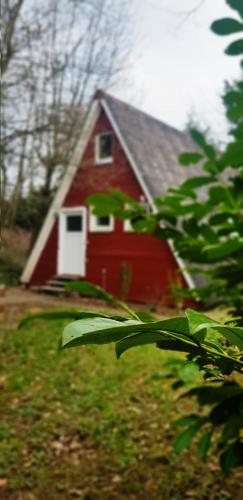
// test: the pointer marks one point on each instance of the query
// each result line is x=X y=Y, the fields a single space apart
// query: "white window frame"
x=127 y=226
x=98 y=160
x=96 y=228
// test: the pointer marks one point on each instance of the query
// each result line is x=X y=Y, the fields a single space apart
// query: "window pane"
x=74 y=223
x=103 y=221
x=105 y=146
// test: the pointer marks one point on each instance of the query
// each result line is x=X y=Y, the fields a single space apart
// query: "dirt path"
x=17 y=296
x=17 y=301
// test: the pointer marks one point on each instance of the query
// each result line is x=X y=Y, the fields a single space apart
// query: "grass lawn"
x=79 y=424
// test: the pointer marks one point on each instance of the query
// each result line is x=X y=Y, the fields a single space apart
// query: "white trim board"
x=62 y=192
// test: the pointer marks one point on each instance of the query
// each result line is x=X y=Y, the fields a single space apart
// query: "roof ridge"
x=105 y=95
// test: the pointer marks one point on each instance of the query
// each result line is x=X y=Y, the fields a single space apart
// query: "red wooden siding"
x=47 y=263
x=150 y=261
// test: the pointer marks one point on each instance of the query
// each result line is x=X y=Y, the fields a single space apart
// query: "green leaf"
x=188 y=372
x=185 y=438
x=144 y=224
x=233 y=155
x=232 y=428
x=191 y=227
x=122 y=197
x=198 y=322
x=226 y=26
x=201 y=209
x=235 y=48
x=199 y=138
x=211 y=338
x=102 y=330
x=210 y=167
x=219 y=218
x=189 y=158
x=177 y=345
x=96 y=331
x=207 y=232
x=236 y=5
x=65 y=314
x=186 y=421
x=178 y=324
x=235 y=113
x=204 y=445
x=166 y=233
x=145 y=316
x=136 y=340
x=220 y=251
x=104 y=204
x=210 y=395
x=89 y=290
x=233 y=334
x=218 y=194
x=53 y=315
x=232 y=457
x=234 y=98
x=226 y=409
x=196 y=182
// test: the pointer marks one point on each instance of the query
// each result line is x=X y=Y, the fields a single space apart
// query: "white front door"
x=72 y=241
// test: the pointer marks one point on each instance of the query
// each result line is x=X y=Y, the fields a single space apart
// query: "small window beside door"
x=101 y=224
x=74 y=223
x=103 y=148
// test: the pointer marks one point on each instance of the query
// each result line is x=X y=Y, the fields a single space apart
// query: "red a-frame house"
x=123 y=148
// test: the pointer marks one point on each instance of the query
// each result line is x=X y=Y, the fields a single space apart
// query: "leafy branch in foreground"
x=212 y=349
x=220 y=426
x=204 y=216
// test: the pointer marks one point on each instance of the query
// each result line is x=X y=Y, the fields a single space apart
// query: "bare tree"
x=88 y=56
x=11 y=12
x=16 y=128
x=61 y=52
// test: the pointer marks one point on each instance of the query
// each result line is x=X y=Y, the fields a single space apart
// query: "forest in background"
x=54 y=57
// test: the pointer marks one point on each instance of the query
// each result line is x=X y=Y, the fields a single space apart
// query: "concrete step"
x=56 y=283
x=66 y=277
x=52 y=290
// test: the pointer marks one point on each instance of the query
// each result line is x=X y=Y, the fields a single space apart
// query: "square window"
x=74 y=223
x=103 y=221
x=101 y=224
x=104 y=148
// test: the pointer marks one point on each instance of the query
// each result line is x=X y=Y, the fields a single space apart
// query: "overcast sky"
x=181 y=65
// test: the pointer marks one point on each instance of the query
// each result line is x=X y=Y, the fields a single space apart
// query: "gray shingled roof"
x=154 y=147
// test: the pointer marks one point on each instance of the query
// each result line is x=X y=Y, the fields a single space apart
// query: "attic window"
x=103 y=148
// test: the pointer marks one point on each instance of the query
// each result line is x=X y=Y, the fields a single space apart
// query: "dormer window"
x=103 y=148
